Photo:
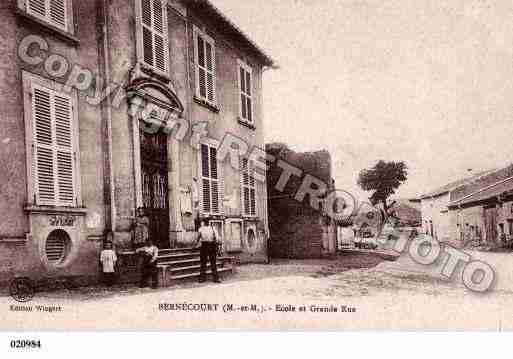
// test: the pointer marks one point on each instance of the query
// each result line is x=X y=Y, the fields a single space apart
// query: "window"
x=54 y=12
x=245 y=89
x=153 y=42
x=248 y=187
x=51 y=143
x=57 y=246
x=205 y=60
x=210 y=180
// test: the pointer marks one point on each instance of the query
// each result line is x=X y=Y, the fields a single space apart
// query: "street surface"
x=385 y=295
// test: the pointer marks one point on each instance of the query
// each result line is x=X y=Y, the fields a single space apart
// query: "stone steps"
x=177 y=265
x=195 y=275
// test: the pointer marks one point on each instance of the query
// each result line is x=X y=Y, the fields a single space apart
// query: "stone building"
x=99 y=103
x=407 y=211
x=482 y=210
x=298 y=229
x=434 y=206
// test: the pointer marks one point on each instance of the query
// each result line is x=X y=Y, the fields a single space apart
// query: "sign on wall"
x=62 y=221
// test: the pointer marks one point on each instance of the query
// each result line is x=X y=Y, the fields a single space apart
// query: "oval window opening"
x=57 y=246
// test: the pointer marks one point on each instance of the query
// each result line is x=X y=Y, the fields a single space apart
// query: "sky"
x=425 y=82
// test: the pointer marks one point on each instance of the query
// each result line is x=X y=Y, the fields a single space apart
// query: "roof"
x=208 y=8
x=453 y=185
x=406 y=202
x=498 y=189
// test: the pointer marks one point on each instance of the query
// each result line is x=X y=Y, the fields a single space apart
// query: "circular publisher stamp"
x=22 y=289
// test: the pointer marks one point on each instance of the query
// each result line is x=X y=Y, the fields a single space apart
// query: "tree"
x=384 y=178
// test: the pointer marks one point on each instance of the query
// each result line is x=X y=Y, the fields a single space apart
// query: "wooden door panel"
x=490 y=219
x=154 y=173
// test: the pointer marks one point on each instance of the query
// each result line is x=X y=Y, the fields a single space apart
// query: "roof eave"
x=267 y=60
x=433 y=195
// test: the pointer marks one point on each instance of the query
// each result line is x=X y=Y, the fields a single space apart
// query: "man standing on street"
x=208 y=251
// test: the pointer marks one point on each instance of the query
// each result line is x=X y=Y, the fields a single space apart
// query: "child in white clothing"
x=108 y=261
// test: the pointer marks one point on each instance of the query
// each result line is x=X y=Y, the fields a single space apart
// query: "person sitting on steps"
x=149 y=253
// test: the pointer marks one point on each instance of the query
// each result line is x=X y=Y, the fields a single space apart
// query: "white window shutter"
x=54 y=12
x=146 y=13
x=154 y=37
x=242 y=90
x=212 y=186
x=205 y=179
x=58 y=12
x=245 y=194
x=214 y=181
x=248 y=187
x=211 y=71
x=249 y=104
x=220 y=174
x=205 y=57
x=147 y=35
x=160 y=36
x=43 y=146
x=241 y=186
x=245 y=76
x=254 y=198
x=37 y=7
x=252 y=188
x=201 y=74
x=65 y=155
x=54 y=166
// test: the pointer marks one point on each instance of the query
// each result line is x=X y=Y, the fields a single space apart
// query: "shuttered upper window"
x=211 y=183
x=248 y=187
x=205 y=60
x=153 y=35
x=245 y=91
x=54 y=12
x=52 y=139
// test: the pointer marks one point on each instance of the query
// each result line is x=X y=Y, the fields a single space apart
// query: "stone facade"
x=297 y=229
x=483 y=210
x=105 y=40
x=437 y=219
x=435 y=216
x=473 y=211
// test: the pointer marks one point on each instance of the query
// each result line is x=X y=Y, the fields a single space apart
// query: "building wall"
x=468 y=224
x=505 y=215
x=184 y=157
x=23 y=233
x=435 y=210
x=297 y=230
x=225 y=122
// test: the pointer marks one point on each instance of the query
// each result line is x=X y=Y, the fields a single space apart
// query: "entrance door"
x=490 y=220
x=154 y=169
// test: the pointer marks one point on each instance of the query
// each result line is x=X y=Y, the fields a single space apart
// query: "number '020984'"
x=25 y=344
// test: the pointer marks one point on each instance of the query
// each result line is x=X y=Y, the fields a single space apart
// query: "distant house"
x=482 y=210
x=296 y=229
x=407 y=211
x=434 y=205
